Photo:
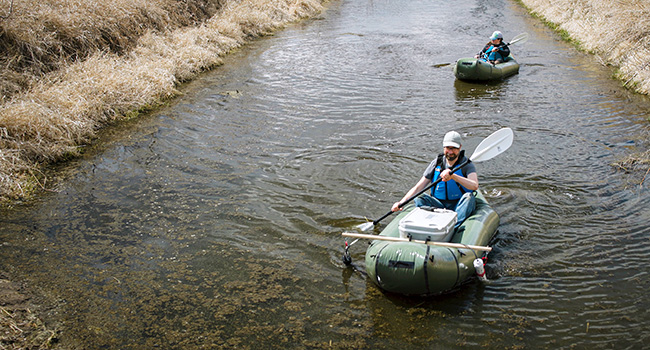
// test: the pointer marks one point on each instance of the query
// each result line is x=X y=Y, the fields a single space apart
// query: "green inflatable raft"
x=473 y=69
x=412 y=268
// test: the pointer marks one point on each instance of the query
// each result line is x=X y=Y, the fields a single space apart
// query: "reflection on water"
x=216 y=221
x=491 y=90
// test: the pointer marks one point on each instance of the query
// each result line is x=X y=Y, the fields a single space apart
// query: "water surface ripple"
x=215 y=222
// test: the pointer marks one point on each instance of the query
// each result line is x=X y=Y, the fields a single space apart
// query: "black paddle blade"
x=347 y=259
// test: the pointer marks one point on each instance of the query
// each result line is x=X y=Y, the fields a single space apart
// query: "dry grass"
x=39 y=37
x=635 y=163
x=116 y=61
x=23 y=329
x=20 y=324
x=617 y=31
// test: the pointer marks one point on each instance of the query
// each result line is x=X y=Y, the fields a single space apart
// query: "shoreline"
x=60 y=113
x=67 y=107
x=616 y=32
x=72 y=107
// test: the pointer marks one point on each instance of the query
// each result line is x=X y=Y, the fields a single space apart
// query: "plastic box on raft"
x=423 y=224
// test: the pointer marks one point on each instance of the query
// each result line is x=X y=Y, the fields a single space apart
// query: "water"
x=216 y=221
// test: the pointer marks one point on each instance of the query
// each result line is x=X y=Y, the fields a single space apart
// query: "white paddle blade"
x=365 y=226
x=493 y=145
x=521 y=38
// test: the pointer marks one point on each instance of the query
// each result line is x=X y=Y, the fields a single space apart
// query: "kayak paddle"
x=521 y=38
x=489 y=148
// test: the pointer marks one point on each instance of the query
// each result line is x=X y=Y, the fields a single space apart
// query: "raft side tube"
x=417 y=269
x=473 y=69
x=413 y=268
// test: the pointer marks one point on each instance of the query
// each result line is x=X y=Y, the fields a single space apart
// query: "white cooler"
x=421 y=224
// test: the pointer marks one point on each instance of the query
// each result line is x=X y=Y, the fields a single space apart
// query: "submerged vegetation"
x=636 y=161
x=20 y=324
x=71 y=67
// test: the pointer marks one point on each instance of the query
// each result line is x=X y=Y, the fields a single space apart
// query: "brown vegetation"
x=20 y=325
x=39 y=37
x=70 y=67
x=635 y=162
x=616 y=31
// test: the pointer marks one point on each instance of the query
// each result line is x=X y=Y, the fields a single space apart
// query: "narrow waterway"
x=215 y=222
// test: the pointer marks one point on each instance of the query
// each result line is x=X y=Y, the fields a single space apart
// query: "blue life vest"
x=493 y=56
x=450 y=190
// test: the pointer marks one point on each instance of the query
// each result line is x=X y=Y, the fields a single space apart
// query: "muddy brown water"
x=215 y=222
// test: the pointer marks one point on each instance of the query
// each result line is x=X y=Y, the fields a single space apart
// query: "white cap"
x=452 y=139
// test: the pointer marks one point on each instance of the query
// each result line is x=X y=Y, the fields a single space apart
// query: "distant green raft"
x=419 y=269
x=473 y=69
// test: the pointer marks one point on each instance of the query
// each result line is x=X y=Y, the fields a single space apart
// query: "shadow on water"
x=215 y=222
x=469 y=91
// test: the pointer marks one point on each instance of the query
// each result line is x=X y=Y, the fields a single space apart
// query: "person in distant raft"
x=495 y=51
x=456 y=191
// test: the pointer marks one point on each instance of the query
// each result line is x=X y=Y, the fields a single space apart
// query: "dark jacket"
x=504 y=50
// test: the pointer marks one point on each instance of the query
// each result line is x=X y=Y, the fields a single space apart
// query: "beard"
x=451 y=157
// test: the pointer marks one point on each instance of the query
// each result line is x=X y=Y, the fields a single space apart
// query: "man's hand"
x=446 y=175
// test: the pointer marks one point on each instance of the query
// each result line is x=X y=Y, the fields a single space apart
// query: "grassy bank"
x=69 y=67
x=616 y=32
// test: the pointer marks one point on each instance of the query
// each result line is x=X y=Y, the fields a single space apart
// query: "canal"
x=216 y=221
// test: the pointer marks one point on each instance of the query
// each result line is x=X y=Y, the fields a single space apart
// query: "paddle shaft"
x=490 y=147
x=521 y=37
x=399 y=239
x=453 y=170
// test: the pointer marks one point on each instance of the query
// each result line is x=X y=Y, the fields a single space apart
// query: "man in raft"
x=456 y=191
x=495 y=51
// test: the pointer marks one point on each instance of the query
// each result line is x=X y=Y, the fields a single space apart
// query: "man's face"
x=451 y=153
